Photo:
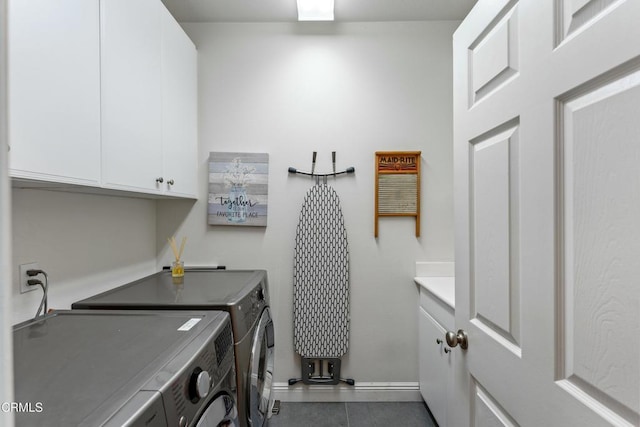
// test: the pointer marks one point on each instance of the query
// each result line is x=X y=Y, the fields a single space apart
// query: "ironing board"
x=321 y=284
x=321 y=277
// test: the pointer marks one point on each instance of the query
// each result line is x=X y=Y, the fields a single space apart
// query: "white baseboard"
x=360 y=392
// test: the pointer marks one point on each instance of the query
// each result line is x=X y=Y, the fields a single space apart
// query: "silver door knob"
x=453 y=339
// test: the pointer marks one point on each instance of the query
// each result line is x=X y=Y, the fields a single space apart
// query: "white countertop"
x=443 y=288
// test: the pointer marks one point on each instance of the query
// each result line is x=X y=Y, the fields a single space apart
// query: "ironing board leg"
x=321 y=371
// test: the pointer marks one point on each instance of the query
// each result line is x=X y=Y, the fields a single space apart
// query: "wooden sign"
x=398 y=185
x=238 y=189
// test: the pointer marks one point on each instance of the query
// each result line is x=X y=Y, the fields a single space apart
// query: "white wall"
x=86 y=244
x=290 y=89
x=284 y=89
x=6 y=344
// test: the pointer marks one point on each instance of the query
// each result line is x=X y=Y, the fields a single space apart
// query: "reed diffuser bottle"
x=177 y=266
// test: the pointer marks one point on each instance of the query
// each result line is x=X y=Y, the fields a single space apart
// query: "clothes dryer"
x=116 y=368
x=242 y=293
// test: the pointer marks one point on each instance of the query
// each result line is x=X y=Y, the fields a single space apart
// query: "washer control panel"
x=197 y=382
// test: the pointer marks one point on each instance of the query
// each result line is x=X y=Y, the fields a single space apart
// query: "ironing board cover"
x=321 y=277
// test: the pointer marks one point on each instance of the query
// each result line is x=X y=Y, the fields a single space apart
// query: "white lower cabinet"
x=436 y=358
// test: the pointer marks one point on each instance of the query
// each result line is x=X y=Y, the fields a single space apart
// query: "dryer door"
x=261 y=364
x=221 y=412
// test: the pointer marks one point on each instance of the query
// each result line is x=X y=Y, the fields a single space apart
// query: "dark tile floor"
x=353 y=414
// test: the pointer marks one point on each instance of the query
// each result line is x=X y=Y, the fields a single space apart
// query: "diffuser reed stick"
x=174 y=247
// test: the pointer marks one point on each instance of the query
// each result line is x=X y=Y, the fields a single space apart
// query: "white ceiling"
x=345 y=10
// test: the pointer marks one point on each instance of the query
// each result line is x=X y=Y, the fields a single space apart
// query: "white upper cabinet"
x=54 y=90
x=179 y=109
x=102 y=94
x=131 y=95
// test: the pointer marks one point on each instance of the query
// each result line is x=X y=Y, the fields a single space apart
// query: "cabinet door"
x=179 y=109
x=131 y=94
x=434 y=367
x=54 y=90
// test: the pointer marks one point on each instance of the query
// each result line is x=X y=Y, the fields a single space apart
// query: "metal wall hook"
x=333 y=162
x=349 y=170
x=313 y=162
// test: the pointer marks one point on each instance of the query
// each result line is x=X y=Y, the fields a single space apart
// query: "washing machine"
x=117 y=368
x=241 y=293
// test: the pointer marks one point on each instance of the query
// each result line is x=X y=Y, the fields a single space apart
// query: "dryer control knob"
x=199 y=385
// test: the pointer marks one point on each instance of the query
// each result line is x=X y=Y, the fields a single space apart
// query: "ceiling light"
x=315 y=10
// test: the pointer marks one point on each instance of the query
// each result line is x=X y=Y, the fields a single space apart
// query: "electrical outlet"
x=22 y=271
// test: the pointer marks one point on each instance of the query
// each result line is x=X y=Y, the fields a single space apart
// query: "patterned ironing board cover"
x=321 y=277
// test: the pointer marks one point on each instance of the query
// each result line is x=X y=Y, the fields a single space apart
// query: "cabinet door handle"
x=159 y=180
x=170 y=182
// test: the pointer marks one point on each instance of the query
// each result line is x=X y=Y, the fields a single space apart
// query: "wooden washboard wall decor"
x=398 y=185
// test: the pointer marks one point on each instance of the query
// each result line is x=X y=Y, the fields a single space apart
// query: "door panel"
x=493 y=56
x=493 y=171
x=600 y=263
x=546 y=102
x=487 y=412
x=574 y=15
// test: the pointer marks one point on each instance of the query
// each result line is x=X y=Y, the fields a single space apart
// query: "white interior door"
x=547 y=176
